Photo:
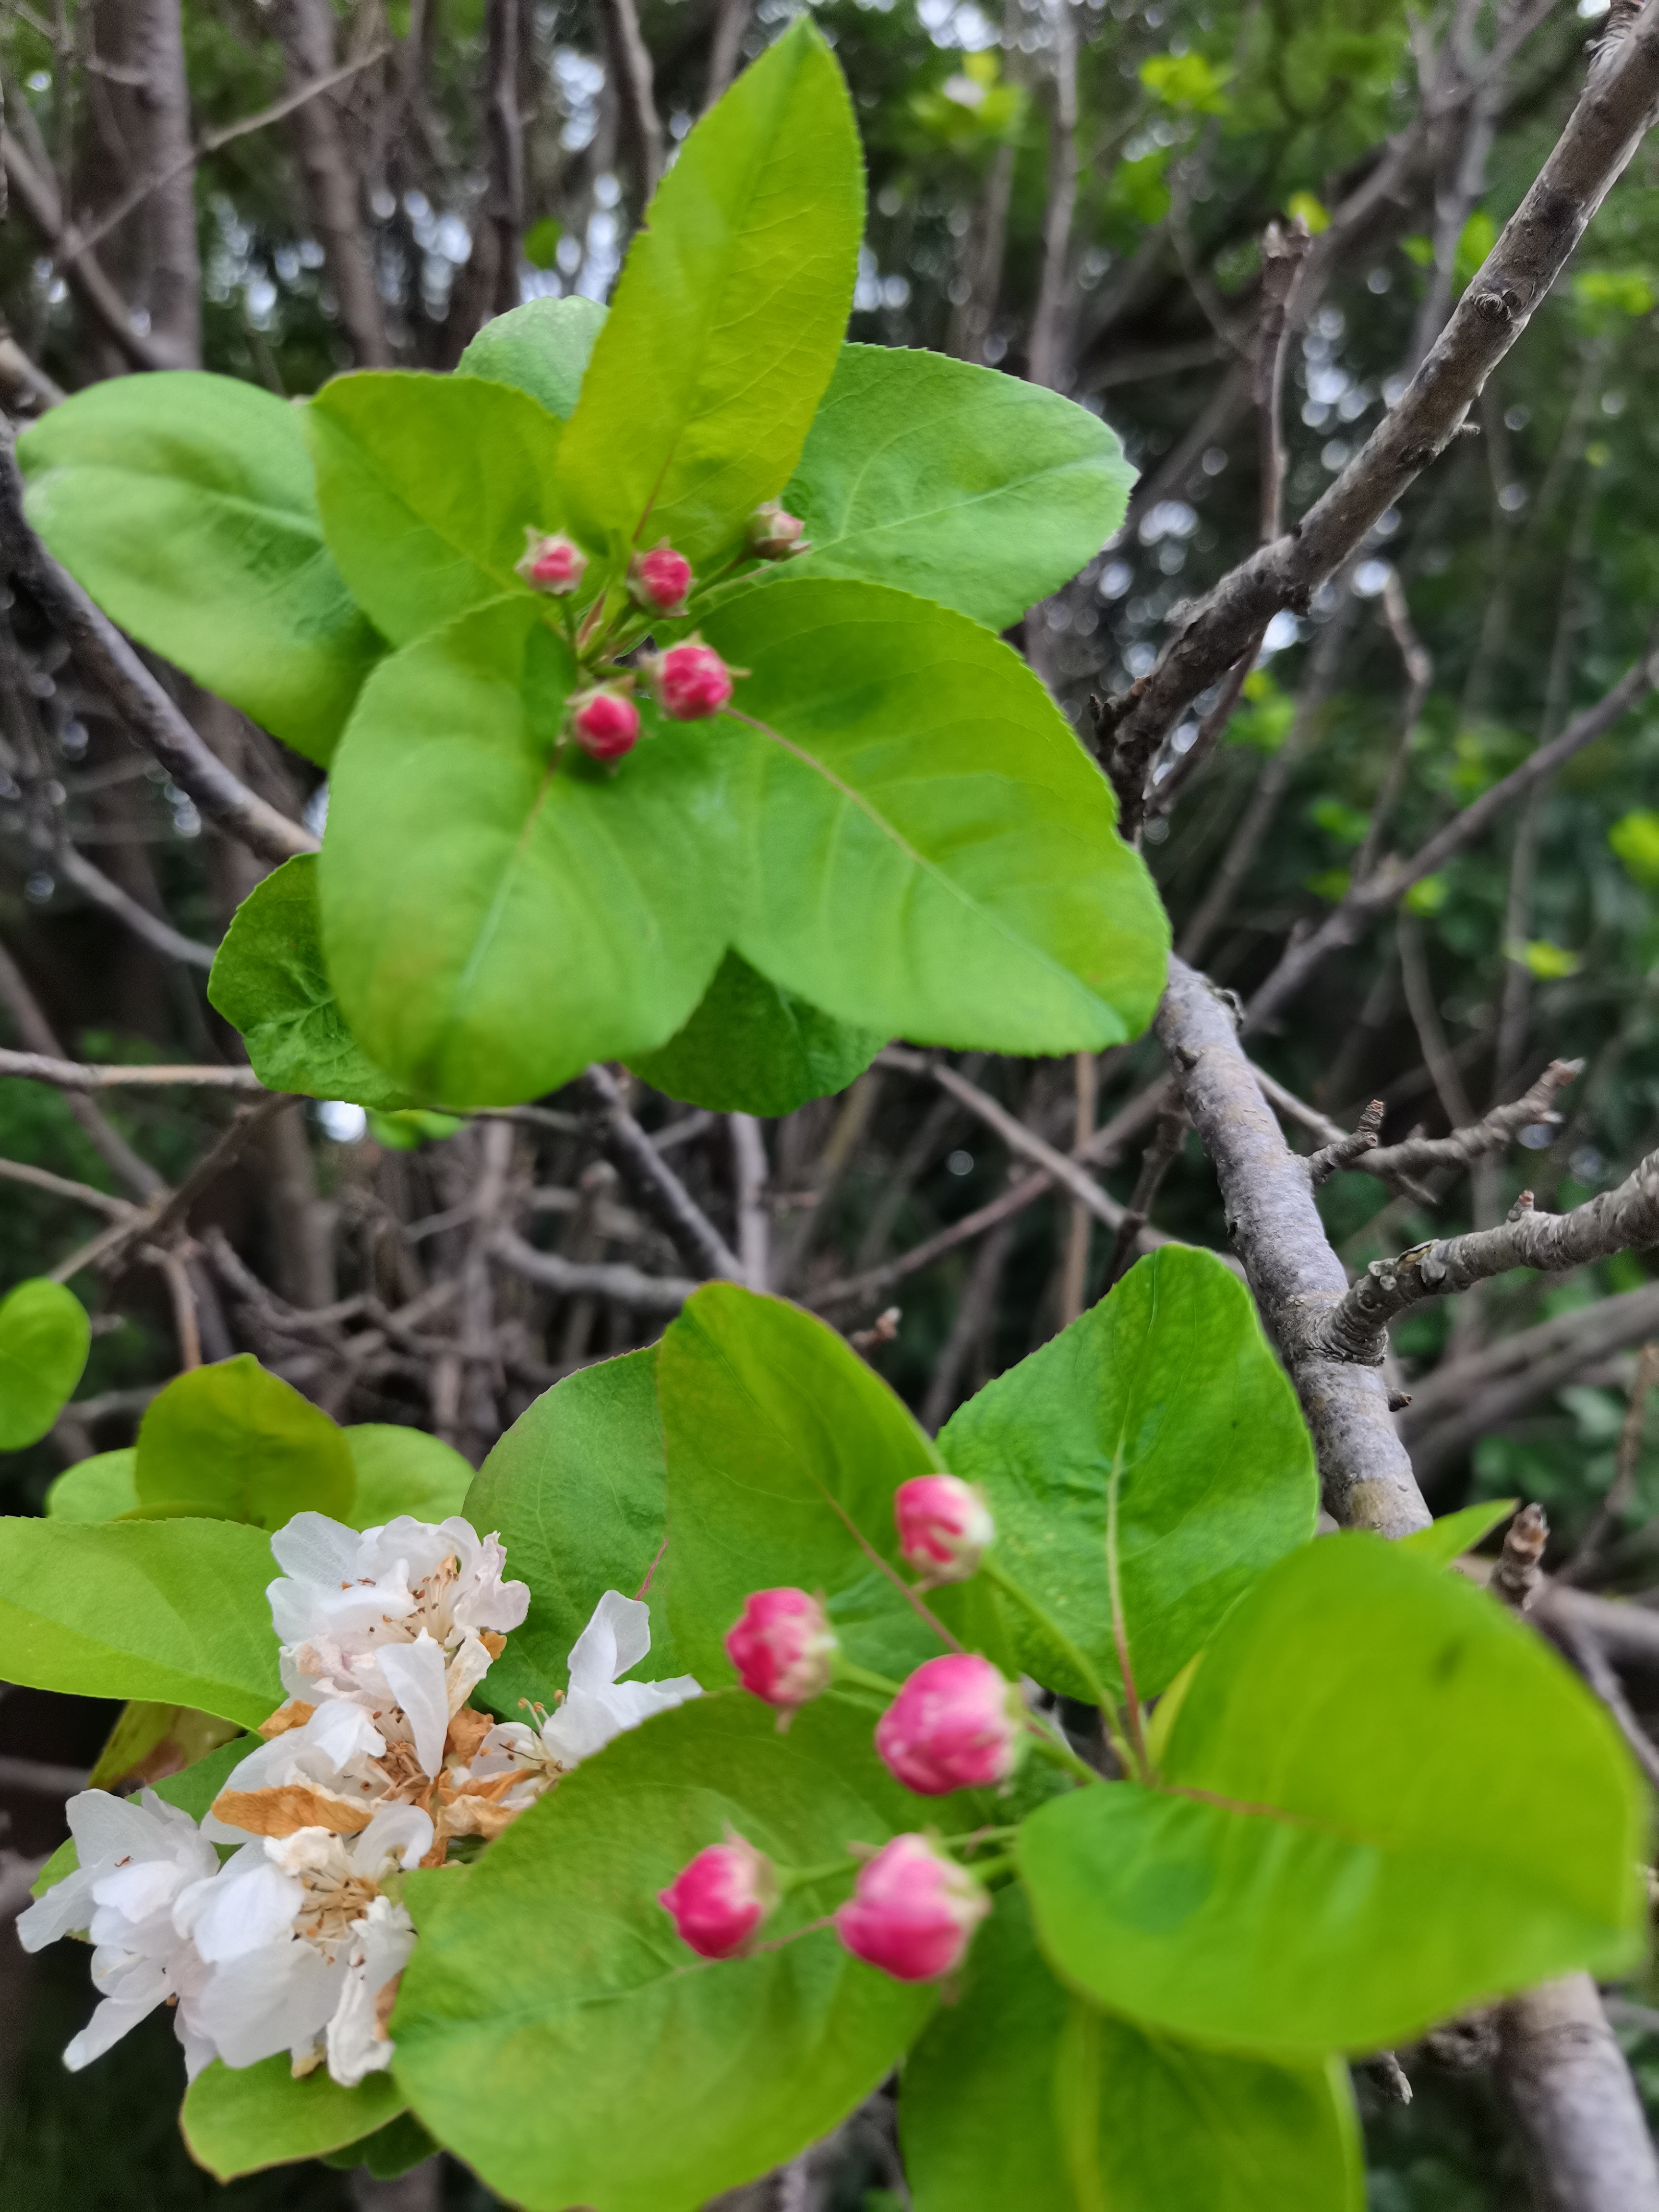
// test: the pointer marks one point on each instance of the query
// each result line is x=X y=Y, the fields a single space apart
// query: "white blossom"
x=135 y=1860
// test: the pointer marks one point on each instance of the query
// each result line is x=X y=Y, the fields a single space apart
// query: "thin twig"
x=651 y=1179
x=113 y=1075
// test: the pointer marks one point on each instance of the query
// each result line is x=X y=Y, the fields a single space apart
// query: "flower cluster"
x=374 y=1764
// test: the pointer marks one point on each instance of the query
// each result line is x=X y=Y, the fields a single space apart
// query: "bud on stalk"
x=944 y=1526
x=783 y=1647
x=690 y=681
x=555 y=565
x=956 y=1725
x=660 y=580
x=912 y=1911
x=605 y=722
x=721 y=1898
x=774 y=533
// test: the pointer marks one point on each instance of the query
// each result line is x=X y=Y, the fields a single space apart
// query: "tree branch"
x=624 y=1285
x=651 y=1179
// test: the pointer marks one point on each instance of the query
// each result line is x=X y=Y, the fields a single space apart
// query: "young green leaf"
x=541 y=347
x=427 y=485
x=390 y=2150
x=269 y=981
x=174 y=1611
x=784 y=1451
x=1124 y=1495
x=185 y=504
x=549 y=1962
x=725 y=325
x=752 y=1048
x=1454 y=1534
x=496 y=913
x=1023 y=2093
x=101 y=1488
x=402 y=1470
x=238 y=2120
x=1383 y=1799
x=958 y=483
x=44 y=1339
x=932 y=854
x=577 y=1491
x=233 y=1441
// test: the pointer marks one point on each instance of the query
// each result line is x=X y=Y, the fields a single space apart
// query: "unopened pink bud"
x=913 y=1912
x=774 y=533
x=721 y=1899
x=690 y=681
x=944 y=1526
x=782 y=1646
x=956 y=1724
x=660 y=580
x=554 y=565
x=606 y=723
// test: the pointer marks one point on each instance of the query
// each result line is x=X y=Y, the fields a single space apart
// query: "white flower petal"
x=617 y=1637
x=488 y=1601
x=66 y=1906
x=136 y=1892
x=112 y=2020
x=269 y=2000
x=400 y=1832
x=248 y=1904
x=415 y=1673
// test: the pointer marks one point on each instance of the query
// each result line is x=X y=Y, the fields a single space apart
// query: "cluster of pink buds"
x=956 y=1725
x=783 y=1647
x=604 y=721
x=774 y=534
x=660 y=580
x=912 y=1913
x=945 y=1527
x=554 y=565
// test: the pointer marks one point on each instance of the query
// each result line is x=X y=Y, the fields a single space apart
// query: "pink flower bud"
x=721 y=1898
x=782 y=1646
x=913 y=1912
x=774 y=533
x=554 y=565
x=690 y=681
x=944 y=1526
x=956 y=1724
x=607 y=722
x=661 y=580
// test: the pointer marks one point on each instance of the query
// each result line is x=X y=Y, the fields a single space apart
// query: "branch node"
x=1515 y=1577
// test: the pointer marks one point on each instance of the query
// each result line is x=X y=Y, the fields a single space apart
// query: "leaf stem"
x=1060 y=1755
x=861 y=1677
x=1130 y=1750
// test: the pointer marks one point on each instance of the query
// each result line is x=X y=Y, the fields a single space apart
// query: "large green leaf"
x=1021 y=2094
x=554 y=2031
x=1384 y=1799
x=401 y=1470
x=1123 y=1493
x=577 y=1491
x=752 y=1048
x=426 y=486
x=238 y=2120
x=959 y=483
x=784 y=1451
x=931 y=852
x=171 y=1611
x=186 y=505
x=234 y=1440
x=44 y=1339
x=269 y=981
x=725 y=325
x=494 y=916
x=543 y=347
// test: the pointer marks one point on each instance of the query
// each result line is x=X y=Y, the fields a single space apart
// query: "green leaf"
x=724 y=328
x=550 y=2006
x=234 y=1441
x=427 y=485
x=541 y=347
x=186 y=505
x=752 y=1048
x=577 y=1491
x=402 y=1470
x=101 y=1488
x=1121 y=1491
x=1021 y=2094
x=390 y=2150
x=238 y=2120
x=784 y=1451
x=934 y=854
x=1384 y=1799
x=170 y=1611
x=269 y=982
x=958 y=483
x=44 y=1337
x=193 y=1790
x=1454 y=1534
x=494 y=917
